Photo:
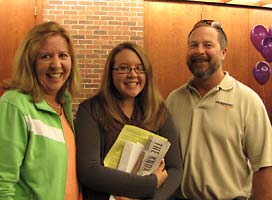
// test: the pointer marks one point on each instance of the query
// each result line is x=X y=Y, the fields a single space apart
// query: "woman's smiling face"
x=53 y=64
x=131 y=84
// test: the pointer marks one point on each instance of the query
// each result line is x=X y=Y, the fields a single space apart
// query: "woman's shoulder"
x=91 y=100
x=93 y=103
x=18 y=100
x=15 y=97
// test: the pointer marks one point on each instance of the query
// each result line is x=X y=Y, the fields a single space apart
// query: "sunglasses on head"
x=211 y=23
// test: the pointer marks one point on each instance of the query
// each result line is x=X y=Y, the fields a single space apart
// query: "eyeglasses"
x=126 y=69
x=211 y=23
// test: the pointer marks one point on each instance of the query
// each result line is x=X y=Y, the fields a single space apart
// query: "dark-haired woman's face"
x=129 y=84
x=53 y=64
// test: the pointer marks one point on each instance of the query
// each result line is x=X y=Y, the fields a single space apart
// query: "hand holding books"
x=161 y=177
x=133 y=140
x=139 y=151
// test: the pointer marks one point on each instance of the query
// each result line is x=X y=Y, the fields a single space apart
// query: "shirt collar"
x=226 y=83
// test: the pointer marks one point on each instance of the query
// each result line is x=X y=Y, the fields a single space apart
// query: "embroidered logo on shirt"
x=224 y=105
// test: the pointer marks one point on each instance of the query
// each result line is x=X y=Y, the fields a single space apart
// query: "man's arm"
x=262 y=184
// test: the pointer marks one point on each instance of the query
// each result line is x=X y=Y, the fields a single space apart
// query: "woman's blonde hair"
x=24 y=77
x=149 y=101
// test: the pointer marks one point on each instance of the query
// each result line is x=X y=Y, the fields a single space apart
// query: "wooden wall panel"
x=167 y=25
x=16 y=18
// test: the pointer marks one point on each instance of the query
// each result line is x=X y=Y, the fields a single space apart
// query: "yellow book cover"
x=128 y=133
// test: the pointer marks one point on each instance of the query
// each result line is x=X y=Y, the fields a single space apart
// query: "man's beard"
x=212 y=68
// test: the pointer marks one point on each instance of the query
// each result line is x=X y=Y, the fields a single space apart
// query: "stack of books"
x=137 y=151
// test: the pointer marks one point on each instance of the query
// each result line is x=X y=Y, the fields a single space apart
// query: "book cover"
x=153 y=153
x=128 y=133
x=136 y=151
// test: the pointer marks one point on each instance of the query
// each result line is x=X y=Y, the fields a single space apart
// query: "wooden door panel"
x=16 y=18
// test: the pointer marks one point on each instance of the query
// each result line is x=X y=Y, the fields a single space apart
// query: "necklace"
x=56 y=107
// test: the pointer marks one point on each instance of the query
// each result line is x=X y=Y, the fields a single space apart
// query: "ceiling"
x=257 y=3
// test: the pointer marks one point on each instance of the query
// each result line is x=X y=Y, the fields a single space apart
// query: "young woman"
x=127 y=96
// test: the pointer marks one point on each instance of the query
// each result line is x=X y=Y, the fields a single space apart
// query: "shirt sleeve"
x=173 y=162
x=13 y=143
x=258 y=136
x=91 y=172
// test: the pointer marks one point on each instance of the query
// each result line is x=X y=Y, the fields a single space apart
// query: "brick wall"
x=96 y=27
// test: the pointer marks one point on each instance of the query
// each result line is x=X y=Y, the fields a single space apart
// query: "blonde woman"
x=37 y=146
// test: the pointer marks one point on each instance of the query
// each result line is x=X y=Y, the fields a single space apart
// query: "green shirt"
x=33 y=154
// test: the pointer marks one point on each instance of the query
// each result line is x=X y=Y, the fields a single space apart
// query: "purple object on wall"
x=257 y=34
x=266 y=48
x=261 y=72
